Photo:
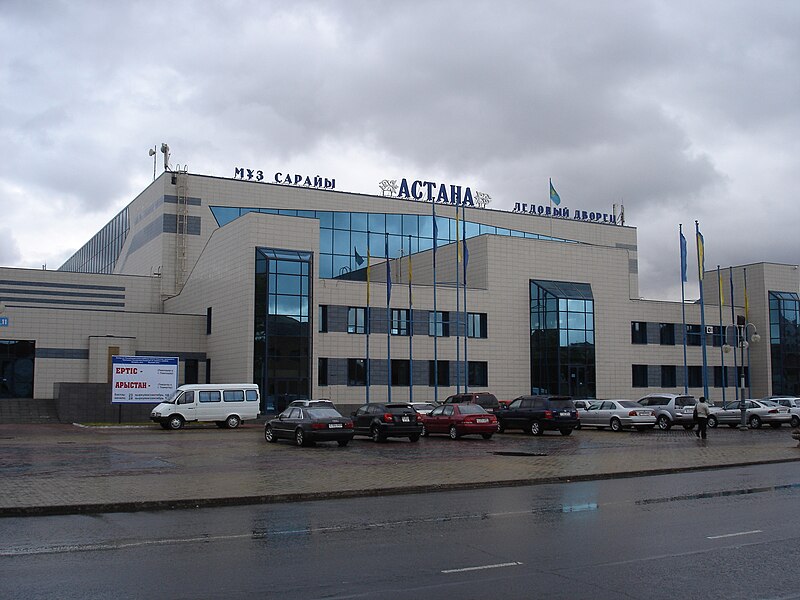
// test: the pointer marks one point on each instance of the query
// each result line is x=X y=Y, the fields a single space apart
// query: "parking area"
x=65 y=468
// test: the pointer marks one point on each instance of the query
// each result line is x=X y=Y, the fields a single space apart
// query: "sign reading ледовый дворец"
x=143 y=379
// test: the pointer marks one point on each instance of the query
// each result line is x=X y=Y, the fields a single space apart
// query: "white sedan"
x=757 y=412
x=617 y=414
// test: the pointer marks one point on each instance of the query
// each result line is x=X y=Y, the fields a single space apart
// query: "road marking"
x=727 y=535
x=481 y=568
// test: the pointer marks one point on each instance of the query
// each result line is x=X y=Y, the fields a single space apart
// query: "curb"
x=195 y=503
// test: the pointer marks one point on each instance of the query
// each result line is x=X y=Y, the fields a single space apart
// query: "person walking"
x=701 y=413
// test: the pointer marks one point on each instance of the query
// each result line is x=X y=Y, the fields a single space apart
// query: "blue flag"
x=359 y=258
x=554 y=197
x=684 y=276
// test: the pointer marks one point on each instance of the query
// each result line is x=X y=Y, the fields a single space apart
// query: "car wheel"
x=300 y=437
x=712 y=421
x=755 y=422
x=269 y=435
x=566 y=431
x=413 y=438
x=795 y=421
x=453 y=433
x=232 y=422
x=616 y=425
x=535 y=428
x=425 y=432
x=175 y=422
x=486 y=436
x=775 y=425
x=342 y=443
x=664 y=423
x=375 y=434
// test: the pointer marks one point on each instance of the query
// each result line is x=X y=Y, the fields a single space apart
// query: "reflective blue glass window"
x=503 y=231
x=473 y=229
x=515 y=233
x=307 y=214
x=394 y=224
x=341 y=241
x=325 y=218
x=410 y=225
x=426 y=227
x=358 y=221
x=377 y=222
x=288 y=284
x=425 y=244
x=359 y=241
x=487 y=229
x=377 y=245
x=341 y=220
x=224 y=214
x=341 y=265
x=395 y=245
x=326 y=241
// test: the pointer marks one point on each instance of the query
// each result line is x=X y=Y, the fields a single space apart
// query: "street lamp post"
x=743 y=337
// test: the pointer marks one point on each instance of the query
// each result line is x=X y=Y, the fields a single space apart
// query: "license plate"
x=406 y=419
x=647 y=413
x=688 y=411
x=334 y=425
x=482 y=421
x=565 y=413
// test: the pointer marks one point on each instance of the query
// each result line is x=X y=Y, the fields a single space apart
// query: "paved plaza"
x=61 y=469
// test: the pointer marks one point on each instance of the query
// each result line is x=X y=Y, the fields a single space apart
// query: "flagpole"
x=700 y=269
x=410 y=330
x=458 y=312
x=368 y=318
x=721 y=333
x=465 y=257
x=683 y=309
x=435 y=313
x=733 y=320
x=746 y=321
x=388 y=322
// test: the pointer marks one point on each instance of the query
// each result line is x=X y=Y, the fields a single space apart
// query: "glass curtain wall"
x=282 y=336
x=784 y=319
x=344 y=233
x=562 y=339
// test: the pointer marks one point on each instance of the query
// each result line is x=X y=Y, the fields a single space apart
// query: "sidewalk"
x=62 y=469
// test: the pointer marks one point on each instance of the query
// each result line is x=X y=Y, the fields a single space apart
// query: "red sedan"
x=459 y=419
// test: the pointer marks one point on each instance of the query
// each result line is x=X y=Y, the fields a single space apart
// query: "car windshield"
x=629 y=404
x=471 y=409
x=323 y=413
x=682 y=401
x=424 y=406
x=487 y=400
x=399 y=409
x=171 y=399
x=562 y=405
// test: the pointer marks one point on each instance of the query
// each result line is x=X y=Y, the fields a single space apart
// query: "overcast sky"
x=679 y=110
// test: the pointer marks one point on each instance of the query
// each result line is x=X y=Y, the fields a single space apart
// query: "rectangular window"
x=439 y=324
x=444 y=372
x=208 y=321
x=400 y=321
x=639 y=376
x=208 y=396
x=233 y=395
x=401 y=372
x=356 y=319
x=356 y=371
x=718 y=376
x=638 y=332
x=668 y=379
x=667 y=331
x=322 y=372
x=208 y=370
x=323 y=319
x=694 y=335
x=478 y=373
x=695 y=376
x=715 y=338
x=476 y=325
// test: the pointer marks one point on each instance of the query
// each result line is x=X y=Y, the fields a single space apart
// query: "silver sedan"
x=617 y=414
x=757 y=412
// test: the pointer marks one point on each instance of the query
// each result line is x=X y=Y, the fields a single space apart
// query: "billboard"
x=143 y=379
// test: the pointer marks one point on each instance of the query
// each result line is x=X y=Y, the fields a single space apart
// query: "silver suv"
x=671 y=409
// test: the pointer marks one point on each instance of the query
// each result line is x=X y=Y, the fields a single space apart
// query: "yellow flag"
x=721 y=293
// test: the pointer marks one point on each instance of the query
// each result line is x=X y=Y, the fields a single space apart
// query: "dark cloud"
x=680 y=110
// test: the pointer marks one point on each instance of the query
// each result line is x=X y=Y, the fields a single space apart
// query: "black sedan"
x=384 y=420
x=309 y=425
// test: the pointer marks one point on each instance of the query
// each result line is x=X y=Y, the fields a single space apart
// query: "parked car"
x=671 y=409
x=537 y=414
x=486 y=400
x=792 y=403
x=583 y=404
x=460 y=419
x=307 y=426
x=618 y=415
x=384 y=420
x=423 y=408
x=757 y=412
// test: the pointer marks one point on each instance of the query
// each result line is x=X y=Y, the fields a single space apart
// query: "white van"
x=226 y=404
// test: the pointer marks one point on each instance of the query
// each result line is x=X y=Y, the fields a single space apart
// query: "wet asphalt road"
x=731 y=533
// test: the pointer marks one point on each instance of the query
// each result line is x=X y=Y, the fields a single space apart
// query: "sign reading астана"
x=430 y=191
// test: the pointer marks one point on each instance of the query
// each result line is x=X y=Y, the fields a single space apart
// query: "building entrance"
x=17 y=359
